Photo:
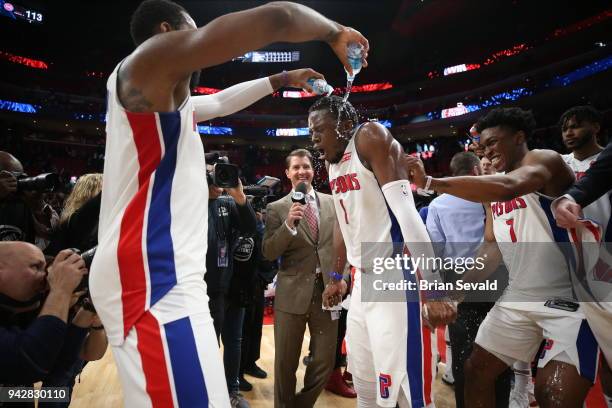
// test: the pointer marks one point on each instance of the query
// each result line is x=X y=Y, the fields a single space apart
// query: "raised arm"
x=383 y=154
x=242 y=95
x=542 y=171
x=153 y=71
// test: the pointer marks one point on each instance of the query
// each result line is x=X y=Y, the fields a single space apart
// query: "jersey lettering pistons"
x=506 y=207
x=347 y=182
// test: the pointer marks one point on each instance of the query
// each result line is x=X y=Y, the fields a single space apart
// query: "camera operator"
x=29 y=350
x=264 y=272
x=228 y=218
x=25 y=210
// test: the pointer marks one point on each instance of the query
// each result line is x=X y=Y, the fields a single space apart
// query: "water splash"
x=349 y=86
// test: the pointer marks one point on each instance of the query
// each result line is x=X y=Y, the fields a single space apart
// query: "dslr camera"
x=259 y=193
x=41 y=183
x=224 y=174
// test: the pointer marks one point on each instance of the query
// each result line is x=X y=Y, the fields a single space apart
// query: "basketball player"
x=529 y=311
x=580 y=127
x=389 y=350
x=147 y=276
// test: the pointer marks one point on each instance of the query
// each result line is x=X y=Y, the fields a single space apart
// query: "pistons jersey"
x=534 y=249
x=153 y=217
x=361 y=208
x=600 y=210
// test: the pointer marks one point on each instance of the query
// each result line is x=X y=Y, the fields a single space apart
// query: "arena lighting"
x=508 y=52
x=494 y=100
x=269 y=56
x=582 y=72
x=18 y=107
x=456 y=111
x=560 y=32
x=386 y=123
x=355 y=89
x=422 y=155
x=460 y=68
x=582 y=24
x=215 y=130
x=495 y=57
x=28 y=62
x=203 y=90
x=288 y=132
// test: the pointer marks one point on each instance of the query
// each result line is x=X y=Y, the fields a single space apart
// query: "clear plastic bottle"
x=320 y=87
x=354 y=53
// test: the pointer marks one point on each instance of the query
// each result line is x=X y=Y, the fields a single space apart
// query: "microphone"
x=299 y=196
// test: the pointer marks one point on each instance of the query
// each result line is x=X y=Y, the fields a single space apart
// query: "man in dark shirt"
x=29 y=352
x=228 y=218
x=25 y=210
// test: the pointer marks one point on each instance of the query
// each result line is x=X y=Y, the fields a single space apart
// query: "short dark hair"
x=516 y=119
x=581 y=114
x=151 y=13
x=462 y=163
x=298 y=153
x=338 y=107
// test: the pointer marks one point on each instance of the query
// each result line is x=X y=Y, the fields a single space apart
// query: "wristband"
x=335 y=276
x=285 y=78
x=426 y=191
x=96 y=327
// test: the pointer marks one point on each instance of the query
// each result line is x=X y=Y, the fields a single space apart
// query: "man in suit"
x=301 y=235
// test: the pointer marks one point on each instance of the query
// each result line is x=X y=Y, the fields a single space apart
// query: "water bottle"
x=320 y=87
x=355 y=54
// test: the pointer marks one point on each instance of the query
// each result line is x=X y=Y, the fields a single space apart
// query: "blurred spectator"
x=487 y=166
x=78 y=226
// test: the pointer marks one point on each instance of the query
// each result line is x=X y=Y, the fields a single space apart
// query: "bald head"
x=8 y=162
x=22 y=270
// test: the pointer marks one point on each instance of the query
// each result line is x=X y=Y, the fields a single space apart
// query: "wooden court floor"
x=99 y=385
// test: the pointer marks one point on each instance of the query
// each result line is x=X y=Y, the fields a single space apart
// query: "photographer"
x=29 y=350
x=228 y=218
x=86 y=339
x=263 y=274
x=24 y=210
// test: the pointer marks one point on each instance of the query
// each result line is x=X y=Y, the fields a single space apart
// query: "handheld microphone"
x=299 y=196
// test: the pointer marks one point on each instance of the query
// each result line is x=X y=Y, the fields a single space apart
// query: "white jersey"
x=600 y=210
x=153 y=216
x=527 y=236
x=361 y=207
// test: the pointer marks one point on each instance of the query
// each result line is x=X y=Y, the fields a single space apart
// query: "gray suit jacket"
x=299 y=254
